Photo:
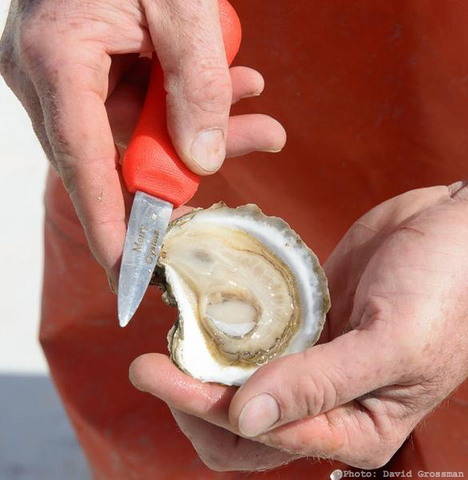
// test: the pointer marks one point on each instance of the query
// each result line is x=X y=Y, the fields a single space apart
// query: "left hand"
x=395 y=345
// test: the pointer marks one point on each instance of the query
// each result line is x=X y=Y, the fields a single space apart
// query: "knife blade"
x=146 y=226
x=159 y=179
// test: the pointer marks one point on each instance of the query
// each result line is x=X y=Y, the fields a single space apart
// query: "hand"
x=76 y=69
x=395 y=345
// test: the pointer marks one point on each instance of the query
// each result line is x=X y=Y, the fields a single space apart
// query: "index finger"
x=72 y=86
x=156 y=374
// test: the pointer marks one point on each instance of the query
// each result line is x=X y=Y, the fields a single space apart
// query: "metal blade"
x=147 y=226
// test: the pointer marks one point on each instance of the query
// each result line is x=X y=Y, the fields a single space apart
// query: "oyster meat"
x=247 y=289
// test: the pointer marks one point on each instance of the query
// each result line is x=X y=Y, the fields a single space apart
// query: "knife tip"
x=124 y=318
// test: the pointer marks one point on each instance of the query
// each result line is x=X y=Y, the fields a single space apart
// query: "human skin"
x=75 y=67
x=398 y=279
x=395 y=345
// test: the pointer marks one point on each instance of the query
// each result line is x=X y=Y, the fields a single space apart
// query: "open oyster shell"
x=247 y=289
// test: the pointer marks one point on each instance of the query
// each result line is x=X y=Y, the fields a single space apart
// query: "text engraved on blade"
x=138 y=243
x=151 y=257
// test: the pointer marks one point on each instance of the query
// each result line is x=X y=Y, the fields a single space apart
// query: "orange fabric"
x=374 y=96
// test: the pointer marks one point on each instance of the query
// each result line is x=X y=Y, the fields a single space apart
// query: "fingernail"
x=258 y=415
x=256 y=93
x=209 y=149
x=111 y=285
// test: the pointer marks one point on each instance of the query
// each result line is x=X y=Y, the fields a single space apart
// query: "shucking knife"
x=160 y=180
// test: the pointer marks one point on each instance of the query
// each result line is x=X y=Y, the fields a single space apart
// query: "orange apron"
x=374 y=96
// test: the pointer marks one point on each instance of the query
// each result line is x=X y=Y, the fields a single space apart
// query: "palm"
x=378 y=252
x=399 y=273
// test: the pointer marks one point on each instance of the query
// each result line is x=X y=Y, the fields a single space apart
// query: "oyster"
x=247 y=288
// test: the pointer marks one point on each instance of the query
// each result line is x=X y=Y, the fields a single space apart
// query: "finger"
x=249 y=132
x=156 y=374
x=347 y=433
x=312 y=382
x=246 y=82
x=182 y=210
x=188 y=40
x=223 y=451
x=213 y=445
x=82 y=145
x=254 y=132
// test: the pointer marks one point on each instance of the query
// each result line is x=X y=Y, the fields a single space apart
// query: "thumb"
x=188 y=41
x=312 y=382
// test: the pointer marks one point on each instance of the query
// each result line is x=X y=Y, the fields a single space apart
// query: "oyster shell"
x=247 y=288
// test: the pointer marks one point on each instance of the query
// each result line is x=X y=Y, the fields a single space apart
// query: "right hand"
x=77 y=70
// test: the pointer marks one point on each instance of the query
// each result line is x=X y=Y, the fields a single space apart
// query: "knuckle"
x=314 y=397
x=6 y=65
x=401 y=348
x=320 y=389
x=45 y=51
x=7 y=57
x=30 y=43
x=7 y=42
x=41 y=54
x=211 y=90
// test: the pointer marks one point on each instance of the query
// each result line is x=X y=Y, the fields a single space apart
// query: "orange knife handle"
x=151 y=164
